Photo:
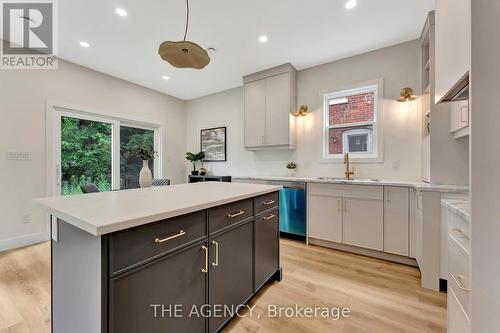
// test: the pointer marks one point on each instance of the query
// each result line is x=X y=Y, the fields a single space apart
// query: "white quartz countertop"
x=102 y=213
x=459 y=207
x=421 y=186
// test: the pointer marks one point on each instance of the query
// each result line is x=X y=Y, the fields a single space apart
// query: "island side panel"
x=76 y=281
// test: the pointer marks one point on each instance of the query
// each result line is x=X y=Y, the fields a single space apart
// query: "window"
x=350 y=120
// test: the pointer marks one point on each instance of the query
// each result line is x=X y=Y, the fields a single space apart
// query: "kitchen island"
x=179 y=258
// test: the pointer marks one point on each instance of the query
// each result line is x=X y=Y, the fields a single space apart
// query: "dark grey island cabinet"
x=166 y=276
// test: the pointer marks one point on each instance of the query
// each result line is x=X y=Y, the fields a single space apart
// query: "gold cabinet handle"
x=458 y=281
x=241 y=212
x=267 y=203
x=269 y=217
x=458 y=232
x=159 y=241
x=205 y=270
x=216 y=263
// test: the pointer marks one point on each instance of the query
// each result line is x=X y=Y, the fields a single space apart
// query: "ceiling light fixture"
x=165 y=77
x=84 y=44
x=184 y=54
x=263 y=39
x=406 y=95
x=351 y=4
x=121 y=12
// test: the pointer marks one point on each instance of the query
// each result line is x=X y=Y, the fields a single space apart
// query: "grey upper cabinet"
x=453 y=44
x=270 y=97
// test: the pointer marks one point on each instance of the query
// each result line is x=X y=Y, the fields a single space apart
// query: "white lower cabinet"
x=396 y=220
x=457 y=321
x=364 y=223
x=325 y=217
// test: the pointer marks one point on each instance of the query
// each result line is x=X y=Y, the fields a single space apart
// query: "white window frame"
x=375 y=156
x=359 y=131
x=56 y=110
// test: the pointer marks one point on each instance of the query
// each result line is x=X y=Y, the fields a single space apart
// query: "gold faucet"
x=347 y=173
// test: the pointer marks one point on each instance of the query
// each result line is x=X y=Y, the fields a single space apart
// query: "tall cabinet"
x=270 y=97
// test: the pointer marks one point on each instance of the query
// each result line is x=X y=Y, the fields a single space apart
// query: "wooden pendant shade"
x=184 y=54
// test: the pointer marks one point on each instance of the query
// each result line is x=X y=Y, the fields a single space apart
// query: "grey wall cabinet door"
x=231 y=271
x=266 y=247
x=174 y=279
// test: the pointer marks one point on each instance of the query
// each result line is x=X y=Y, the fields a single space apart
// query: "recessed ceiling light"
x=165 y=77
x=121 y=12
x=263 y=39
x=351 y=4
x=84 y=44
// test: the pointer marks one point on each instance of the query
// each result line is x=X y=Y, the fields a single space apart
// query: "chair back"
x=89 y=188
x=161 y=182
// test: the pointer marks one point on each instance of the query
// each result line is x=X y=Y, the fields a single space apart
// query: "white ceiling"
x=303 y=32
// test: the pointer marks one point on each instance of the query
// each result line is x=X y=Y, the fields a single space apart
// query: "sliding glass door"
x=86 y=154
x=87 y=148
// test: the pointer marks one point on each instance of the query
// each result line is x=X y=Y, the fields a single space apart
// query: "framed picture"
x=213 y=144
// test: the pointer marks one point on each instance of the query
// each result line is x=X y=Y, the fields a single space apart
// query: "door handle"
x=461 y=234
x=241 y=212
x=205 y=270
x=267 y=203
x=269 y=217
x=181 y=233
x=216 y=263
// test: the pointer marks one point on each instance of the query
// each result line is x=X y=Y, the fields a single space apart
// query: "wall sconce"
x=406 y=95
x=303 y=111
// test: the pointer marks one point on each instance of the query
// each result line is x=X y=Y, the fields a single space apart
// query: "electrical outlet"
x=395 y=165
x=27 y=218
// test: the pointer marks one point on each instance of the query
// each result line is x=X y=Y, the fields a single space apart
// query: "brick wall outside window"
x=359 y=108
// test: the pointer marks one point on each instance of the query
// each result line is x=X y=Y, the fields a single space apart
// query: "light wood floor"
x=382 y=297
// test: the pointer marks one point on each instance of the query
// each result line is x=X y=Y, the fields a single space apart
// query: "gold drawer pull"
x=216 y=263
x=458 y=281
x=159 y=241
x=267 y=203
x=205 y=270
x=460 y=234
x=241 y=212
x=268 y=217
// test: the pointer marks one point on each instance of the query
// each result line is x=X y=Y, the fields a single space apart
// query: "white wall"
x=398 y=66
x=485 y=167
x=23 y=94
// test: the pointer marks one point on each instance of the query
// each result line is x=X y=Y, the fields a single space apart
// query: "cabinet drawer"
x=227 y=215
x=131 y=247
x=458 y=270
x=266 y=202
x=459 y=229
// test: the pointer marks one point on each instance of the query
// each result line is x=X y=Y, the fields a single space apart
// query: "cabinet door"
x=175 y=279
x=396 y=233
x=418 y=228
x=325 y=217
x=266 y=247
x=231 y=272
x=413 y=224
x=363 y=223
x=278 y=110
x=453 y=42
x=255 y=113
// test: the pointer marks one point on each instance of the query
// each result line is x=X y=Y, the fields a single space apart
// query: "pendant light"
x=184 y=54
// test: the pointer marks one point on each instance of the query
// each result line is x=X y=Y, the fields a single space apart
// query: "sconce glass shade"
x=406 y=95
x=303 y=111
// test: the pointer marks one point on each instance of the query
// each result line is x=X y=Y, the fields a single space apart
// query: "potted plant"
x=193 y=158
x=292 y=167
x=145 y=154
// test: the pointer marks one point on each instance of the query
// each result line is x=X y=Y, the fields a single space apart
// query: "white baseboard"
x=25 y=240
